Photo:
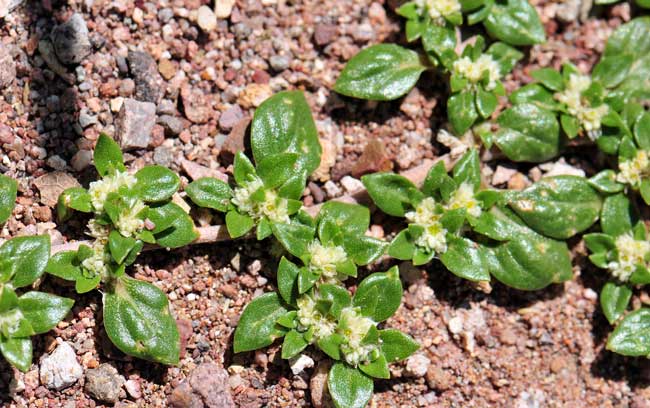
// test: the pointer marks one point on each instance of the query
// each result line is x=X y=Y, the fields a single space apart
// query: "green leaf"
x=284 y=124
x=642 y=131
x=348 y=386
x=461 y=111
x=397 y=346
x=377 y=368
x=338 y=296
x=550 y=78
x=385 y=285
x=288 y=280
x=440 y=42
x=516 y=22
x=363 y=249
x=276 y=169
x=468 y=169
x=210 y=192
x=402 y=246
x=392 y=193
x=617 y=216
x=179 y=233
x=631 y=41
x=465 y=259
x=23 y=259
x=294 y=343
x=611 y=71
x=8 y=193
x=614 y=300
x=597 y=242
x=632 y=336
x=486 y=103
x=331 y=345
x=43 y=310
x=536 y=95
x=107 y=156
x=306 y=280
x=238 y=224
x=294 y=237
x=64 y=265
x=76 y=198
x=18 y=352
x=243 y=169
x=119 y=246
x=138 y=322
x=605 y=182
x=528 y=133
x=348 y=218
x=530 y=262
x=504 y=55
x=558 y=207
x=381 y=72
x=570 y=125
x=257 y=328
x=156 y=183
x=85 y=284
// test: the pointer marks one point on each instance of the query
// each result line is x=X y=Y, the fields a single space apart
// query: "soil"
x=513 y=349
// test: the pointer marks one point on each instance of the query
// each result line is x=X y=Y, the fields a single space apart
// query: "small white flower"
x=590 y=118
x=324 y=259
x=97 y=263
x=438 y=9
x=129 y=224
x=631 y=253
x=100 y=189
x=242 y=195
x=426 y=215
x=354 y=327
x=473 y=71
x=98 y=231
x=273 y=207
x=463 y=197
x=634 y=170
x=309 y=317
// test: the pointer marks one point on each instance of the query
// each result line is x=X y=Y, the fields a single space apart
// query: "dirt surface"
x=505 y=348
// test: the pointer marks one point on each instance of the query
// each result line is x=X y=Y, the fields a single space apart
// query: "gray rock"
x=279 y=62
x=104 y=383
x=148 y=82
x=7 y=6
x=207 y=386
x=163 y=156
x=7 y=67
x=71 y=42
x=60 y=369
x=173 y=125
x=242 y=31
x=81 y=160
x=230 y=118
x=134 y=123
x=86 y=119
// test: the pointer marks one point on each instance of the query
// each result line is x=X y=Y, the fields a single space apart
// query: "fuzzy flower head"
x=631 y=253
x=242 y=195
x=100 y=189
x=310 y=317
x=590 y=118
x=438 y=9
x=427 y=216
x=97 y=263
x=98 y=231
x=273 y=207
x=463 y=197
x=473 y=71
x=634 y=170
x=324 y=259
x=129 y=222
x=354 y=327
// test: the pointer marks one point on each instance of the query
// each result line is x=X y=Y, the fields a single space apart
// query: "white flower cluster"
x=97 y=263
x=438 y=9
x=634 y=170
x=426 y=215
x=589 y=117
x=354 y=328
x=631 y=253
x=324 y=259
x=129 y=224
x=309 y=316
x=464 y=198
x=273 y=207
x=100 y=189
x=473 y=71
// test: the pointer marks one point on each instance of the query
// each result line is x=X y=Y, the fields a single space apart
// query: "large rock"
x=51 y=185
x=207 y=386
x=104 y=383
x=135 y=123
x=148 y=82
x=60 y=369
x=7 y=67
x=71 y=42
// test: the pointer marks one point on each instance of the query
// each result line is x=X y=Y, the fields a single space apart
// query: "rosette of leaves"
x=623 y=249
x=344 y=327
x=512 y=21
x=285 y=146
x=24 y=314
x=128 y=211
x=473 y=232
x=437 y=215
x=476 y=82
x=330 y=248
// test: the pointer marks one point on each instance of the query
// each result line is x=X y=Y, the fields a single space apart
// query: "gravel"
x=60 y=369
